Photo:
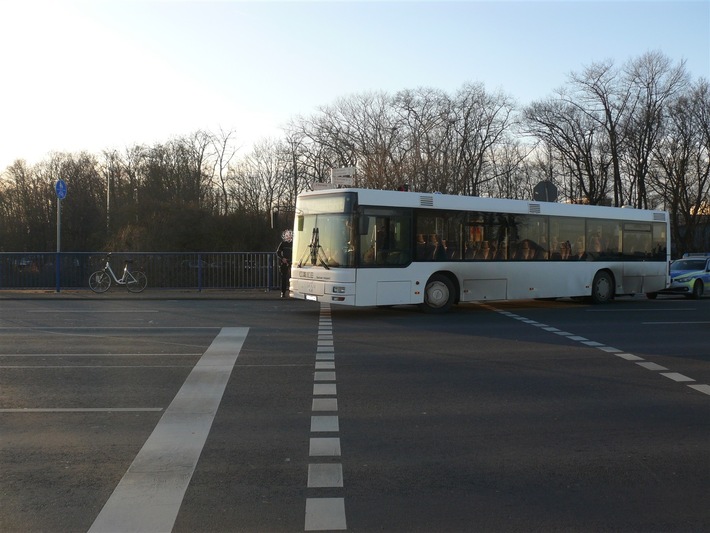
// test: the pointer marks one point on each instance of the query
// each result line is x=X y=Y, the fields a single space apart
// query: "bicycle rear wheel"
x=99 y=281
x=137 y=281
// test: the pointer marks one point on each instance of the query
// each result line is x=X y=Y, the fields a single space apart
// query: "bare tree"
x=426 y=135
x=580 y=142
x=224 y=153
x=653 y=81
x=480 y=122
x=601 y=95
x=681 y=171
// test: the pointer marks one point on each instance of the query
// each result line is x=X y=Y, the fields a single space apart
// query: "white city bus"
x=364 y=247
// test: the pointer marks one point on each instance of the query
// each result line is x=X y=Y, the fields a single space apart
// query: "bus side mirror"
x=300 y=223
x=363 y=225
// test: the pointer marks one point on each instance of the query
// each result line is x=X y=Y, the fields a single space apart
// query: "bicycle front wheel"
x=137 y=281
x=99 y=281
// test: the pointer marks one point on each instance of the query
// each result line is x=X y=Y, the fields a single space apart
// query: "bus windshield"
x=326 y=240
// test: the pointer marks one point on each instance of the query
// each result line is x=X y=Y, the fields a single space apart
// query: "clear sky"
x=107 y=74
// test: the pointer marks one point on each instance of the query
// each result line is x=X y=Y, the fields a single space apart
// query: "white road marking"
x=322 y=424
x=705 y=389
x=675 y=376
x=592 y=343
x=655 y=367
x=324 y=389
x=149 y=496
x=609 y=349
x=324 y=404
x=652 y=366
x=325 y=514
x=325 y=475
x=629 y=356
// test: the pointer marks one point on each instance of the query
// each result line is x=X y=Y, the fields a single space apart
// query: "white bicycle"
x=100 y=281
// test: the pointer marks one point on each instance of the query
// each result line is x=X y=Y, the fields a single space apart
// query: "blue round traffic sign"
x=61 y=188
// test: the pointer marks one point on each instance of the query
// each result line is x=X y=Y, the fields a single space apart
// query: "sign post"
x=61 y=189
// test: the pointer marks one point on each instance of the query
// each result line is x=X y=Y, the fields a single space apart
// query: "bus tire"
x=651 y=295
x=602 y=288
x=438 y=294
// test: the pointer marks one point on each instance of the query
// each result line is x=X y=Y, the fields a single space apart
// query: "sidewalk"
x=120 y=293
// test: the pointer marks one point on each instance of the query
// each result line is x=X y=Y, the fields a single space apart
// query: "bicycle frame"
x=127 y=276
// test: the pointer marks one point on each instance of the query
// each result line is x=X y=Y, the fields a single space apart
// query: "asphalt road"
x=253 y=413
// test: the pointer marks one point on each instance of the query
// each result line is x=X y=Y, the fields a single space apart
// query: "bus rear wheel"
x=602 y=288
x=438 y=294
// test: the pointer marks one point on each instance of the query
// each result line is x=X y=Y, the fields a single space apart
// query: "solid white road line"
x=149 y=496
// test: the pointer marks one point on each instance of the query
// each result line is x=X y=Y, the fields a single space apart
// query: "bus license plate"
x=311 y=297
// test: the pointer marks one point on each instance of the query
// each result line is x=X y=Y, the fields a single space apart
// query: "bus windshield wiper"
x=315 y=251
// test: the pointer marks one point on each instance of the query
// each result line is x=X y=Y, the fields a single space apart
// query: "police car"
x=689 y=276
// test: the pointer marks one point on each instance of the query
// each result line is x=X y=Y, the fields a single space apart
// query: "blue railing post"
x=57 y=270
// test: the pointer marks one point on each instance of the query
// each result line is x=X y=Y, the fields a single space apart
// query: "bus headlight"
x=339 y=290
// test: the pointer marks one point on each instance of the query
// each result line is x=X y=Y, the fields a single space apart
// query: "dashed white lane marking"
x=675 y=376
x=705 y=389
x=629 y=356
x=654 y=367
x=324 y=389
x=149 y=496
x=322 y=424
x=651 y=366
x=325 y=475
x=324 y=404
x=325 y=513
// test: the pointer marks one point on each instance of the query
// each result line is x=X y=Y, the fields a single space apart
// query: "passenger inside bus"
x=486 y=253
x=421 y=247
x=440 y=249
x=526 y=251
x=580 y=253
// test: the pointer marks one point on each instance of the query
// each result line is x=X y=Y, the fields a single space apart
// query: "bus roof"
x=388 y=198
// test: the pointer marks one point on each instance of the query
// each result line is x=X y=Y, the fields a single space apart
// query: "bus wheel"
x=602 y=288
x=438 y=294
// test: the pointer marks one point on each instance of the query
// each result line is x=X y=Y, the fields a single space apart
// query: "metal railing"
x=198 y=271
